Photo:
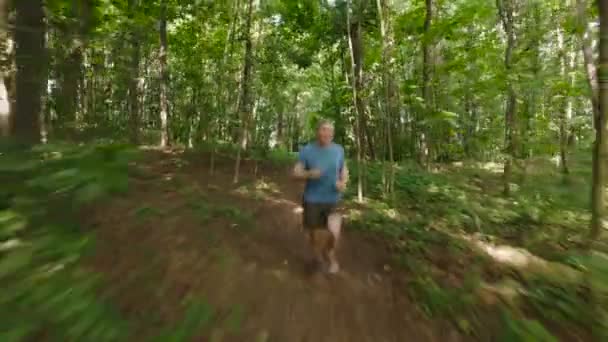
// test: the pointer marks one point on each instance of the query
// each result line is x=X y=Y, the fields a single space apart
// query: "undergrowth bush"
x=45 y=293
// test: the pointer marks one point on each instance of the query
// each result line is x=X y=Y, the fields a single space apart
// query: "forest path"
x=182 y=233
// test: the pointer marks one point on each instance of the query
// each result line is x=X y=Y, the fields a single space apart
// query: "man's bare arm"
x=300 y=172
x=342 y=178
x=344 y=174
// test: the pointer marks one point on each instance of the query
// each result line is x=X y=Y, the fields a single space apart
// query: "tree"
x=134 y=82
x=585 y=41
x=31 y=62
x=164 y=75
x=7 y=72
x=355 y=47
x=245 y=100
x=600 y=146
x=427 y=90
x=390 y=105
x=72 y=28
x=506 y=9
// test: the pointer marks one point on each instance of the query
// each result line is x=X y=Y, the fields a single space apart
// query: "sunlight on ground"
x=391 y=213
x=267 y=191
x=491 y=167
x=523 y=260
x=507 y=254
x=166 y=150
x=283 y=201
x=10 y=244
x=354 y=214
x=267 y=186
x=504 y=254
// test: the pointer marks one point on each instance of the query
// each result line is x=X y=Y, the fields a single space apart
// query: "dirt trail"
x=156 y=252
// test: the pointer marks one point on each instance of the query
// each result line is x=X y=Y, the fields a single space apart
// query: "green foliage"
x=524 y=330
x=44 y=288
x=437 y=300
x=197 y=317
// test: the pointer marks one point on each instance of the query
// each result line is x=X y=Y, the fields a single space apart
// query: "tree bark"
x=427 y=90
x=355 y=70
x=245 y=101
x=133 y=91
x=164 y=76
x=389 y=93
x=71 y=66
x=600 y=148
x=7 y=71
x=506 y=12
x=31 y=61
x=564 y=123
x=590 y=68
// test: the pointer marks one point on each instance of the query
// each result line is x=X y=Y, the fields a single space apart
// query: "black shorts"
x=315 y=215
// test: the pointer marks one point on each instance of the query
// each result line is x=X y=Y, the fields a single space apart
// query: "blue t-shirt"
x=330 y=161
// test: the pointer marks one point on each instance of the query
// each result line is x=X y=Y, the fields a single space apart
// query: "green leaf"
x=14 y=261
x=11 y=223
x=89 y=192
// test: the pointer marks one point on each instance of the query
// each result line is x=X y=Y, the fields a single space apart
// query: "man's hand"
x=341 y=185
x=314 y=174
x=301 y=173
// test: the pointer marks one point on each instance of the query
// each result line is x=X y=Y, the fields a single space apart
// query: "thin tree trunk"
x=563 y=122
x=427 y=90
x=133 y=99
x=7 y=71
x=31 y=61
x=571 y=137
x=356 y=100
x=387 y=47
x=505 y=8
x=590 y=68
x=600 y=150
x=244 y=104
x=164 y=76
x=71 y=67
x=233 y=98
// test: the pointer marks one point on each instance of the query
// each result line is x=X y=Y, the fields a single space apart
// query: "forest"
x=146 y=150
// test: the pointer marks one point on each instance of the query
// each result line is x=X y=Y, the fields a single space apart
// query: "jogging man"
x=321 y=164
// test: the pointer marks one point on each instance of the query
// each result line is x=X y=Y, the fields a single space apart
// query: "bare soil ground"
x=183 y=233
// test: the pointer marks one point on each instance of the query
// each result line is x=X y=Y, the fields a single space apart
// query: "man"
x=321 y=164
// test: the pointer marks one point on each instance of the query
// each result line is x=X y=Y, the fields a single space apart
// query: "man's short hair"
x=323 y=123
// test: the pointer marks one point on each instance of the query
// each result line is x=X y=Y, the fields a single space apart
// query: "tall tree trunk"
x=506 y=12
x=67 y=102
x=164 y=76
x=134 y=82
x=245 y=101
x=389 y=93
x=281 y=127
x=71 y=66
x=427 y=90
x=564 y=123
x=31 y=61
x=590 y=68
x=7 y=71
x=571 y=136
x=355 y=70
x=600 y=149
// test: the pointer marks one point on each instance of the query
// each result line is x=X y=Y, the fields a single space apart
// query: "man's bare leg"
x=334 y=224
x=316 y=241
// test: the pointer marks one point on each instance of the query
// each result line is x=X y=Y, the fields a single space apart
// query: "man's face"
x=325 y=134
